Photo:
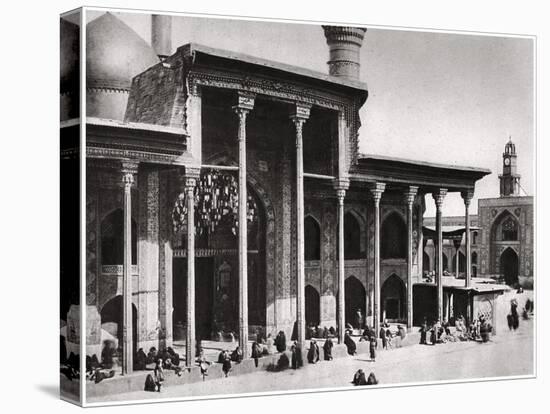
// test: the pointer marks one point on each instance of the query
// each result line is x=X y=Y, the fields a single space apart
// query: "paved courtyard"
x=508 y=354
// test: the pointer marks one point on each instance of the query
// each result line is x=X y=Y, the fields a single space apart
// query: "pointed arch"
x=352 y=236
x=112 y=238
x=312 y=238
x=393 y=237
x=505 y=227
x=392 y=298
x=509 y=266
x=313 y=306
x=461 y=262
x=355 y=297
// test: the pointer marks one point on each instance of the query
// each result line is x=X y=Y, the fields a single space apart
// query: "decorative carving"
x=439 y=197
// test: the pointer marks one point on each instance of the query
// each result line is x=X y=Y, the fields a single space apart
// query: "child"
x=158 y=374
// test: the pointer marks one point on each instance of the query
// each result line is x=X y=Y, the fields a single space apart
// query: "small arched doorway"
x=355 y=298
x=112 y=320
x=461 y=262
x=392 y=298
x=313 y=312
x=312 y=236
x=509 y=266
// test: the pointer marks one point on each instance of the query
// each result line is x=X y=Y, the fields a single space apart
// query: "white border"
x=298 y=391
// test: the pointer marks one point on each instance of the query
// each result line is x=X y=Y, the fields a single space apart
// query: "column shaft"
x=190 y=342
x=438 y=198
x=377 y=195
x=127 y=346
x=410 y=196
x=341 y=268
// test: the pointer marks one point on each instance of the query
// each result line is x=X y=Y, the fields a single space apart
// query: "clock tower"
x=509 y=179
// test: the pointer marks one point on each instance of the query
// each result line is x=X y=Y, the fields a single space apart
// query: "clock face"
x=506 y=161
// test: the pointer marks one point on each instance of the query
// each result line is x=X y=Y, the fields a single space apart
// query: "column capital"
x=376 y=191
x=189 y=177
x=410 y=195
x=439 y=196
x=128 y=170
x=467 y=196
x=245 y=102
x=341 y=184
x=300 y=113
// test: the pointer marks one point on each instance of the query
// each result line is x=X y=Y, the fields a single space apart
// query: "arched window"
x=352 y=237
x=394 y=238
x=112 y=239
x=509 y=229
x=312 y=233
x=474 y=258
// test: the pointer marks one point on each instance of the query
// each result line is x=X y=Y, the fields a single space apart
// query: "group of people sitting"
x=169 y=358
x=478 y=329
x=359 y=378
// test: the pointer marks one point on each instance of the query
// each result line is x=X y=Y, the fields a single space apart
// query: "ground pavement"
x=507 y=354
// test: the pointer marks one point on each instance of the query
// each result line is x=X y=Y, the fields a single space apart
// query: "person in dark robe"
x=372 y=379
x=62 y=349
x=510 y=320
x=280 y=342
x=226 y=367
x=423 y=333
x=221 y=357
x=237 y=354
x=174 y=356
x=383 y=338
x=514 y=313
x=327 y=349
x=332 y=331
x=140 y=362
x=484 y=330
x=372 y=348
x=297 y=359
x=256 y=352
x=359 y=378
x=152 y=355
x=150 y=383
x=325 y=333
x=107 y=354
x=313 y=352
x=294 y=335
x=350 y=344
x=99 y=376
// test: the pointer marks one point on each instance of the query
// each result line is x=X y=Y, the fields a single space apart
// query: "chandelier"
x=216 y=200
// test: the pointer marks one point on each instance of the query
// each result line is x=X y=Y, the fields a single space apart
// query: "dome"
x=510 y=147
x=69 y=70
x=114 y=55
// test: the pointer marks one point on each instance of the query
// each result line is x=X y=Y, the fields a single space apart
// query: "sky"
x=452 y=98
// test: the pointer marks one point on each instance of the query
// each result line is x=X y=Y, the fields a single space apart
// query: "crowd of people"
x=479 y=329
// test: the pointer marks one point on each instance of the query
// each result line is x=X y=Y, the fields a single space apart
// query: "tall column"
x=129 y=169
x=190 y=182
x=245 y=103
x=438 y=197
x=376 y=192
x=299 y=117
x=409 y=199
x=467 y=197
x=341 y=193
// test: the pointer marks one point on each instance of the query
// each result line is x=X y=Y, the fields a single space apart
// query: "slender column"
x=245 y=103
x=190 y=342
x=467 y=197
x=129 y=169
x=299 y=117
x=438 y=197
x=376 y=192
x=409 y=199
x=341 y=193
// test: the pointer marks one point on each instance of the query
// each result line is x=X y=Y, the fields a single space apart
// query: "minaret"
x=509 y=179
x=344 y=50
x=161 y=35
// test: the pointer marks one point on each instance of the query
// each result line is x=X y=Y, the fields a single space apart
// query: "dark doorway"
x=313 y=313
x=393 y=298
x=509 y=266
x=312 y=235
x=355 y=298
x=112 y=312
x=461 y=263
x=204 y=297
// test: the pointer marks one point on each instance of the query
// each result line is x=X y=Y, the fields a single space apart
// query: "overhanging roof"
x=373 y=168
x=449 y=232
x=228 y=59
